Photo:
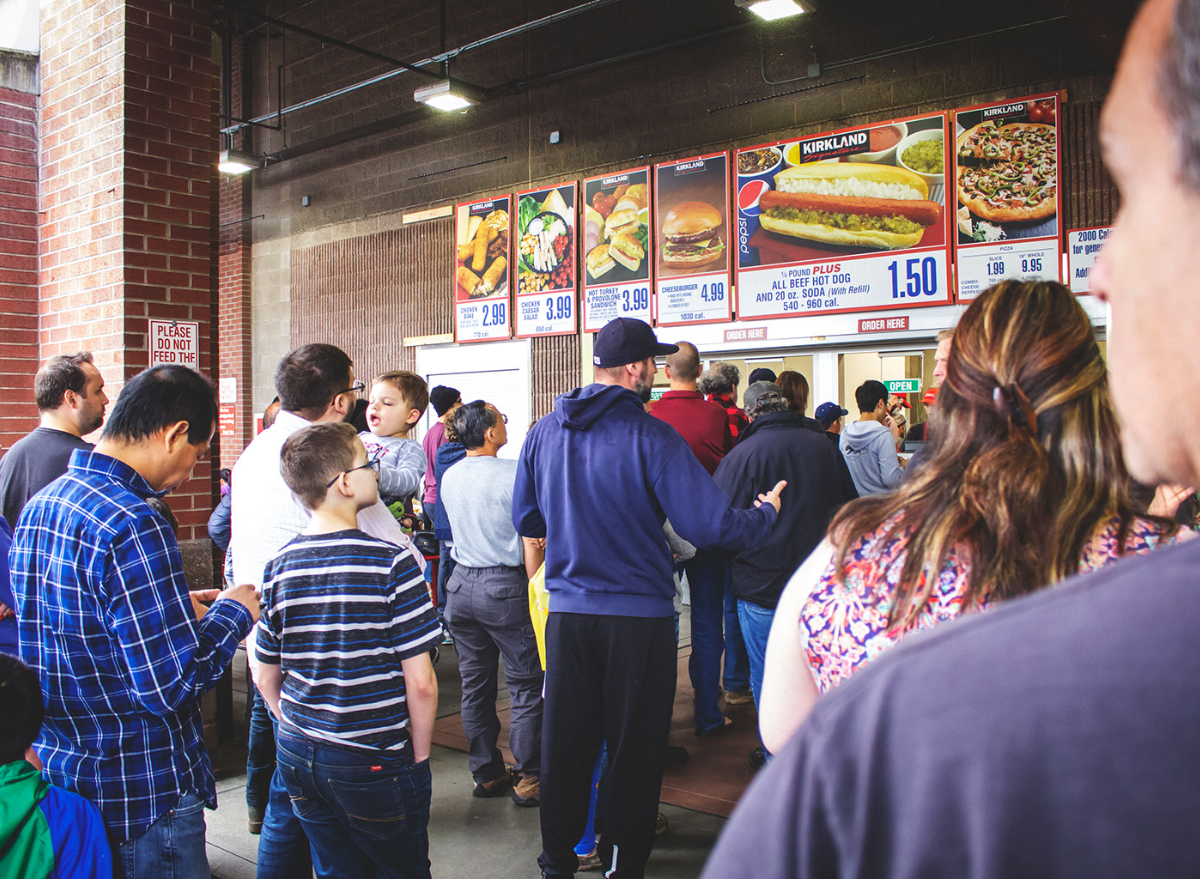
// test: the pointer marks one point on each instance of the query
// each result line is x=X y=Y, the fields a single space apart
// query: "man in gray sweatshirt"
x=869 y=444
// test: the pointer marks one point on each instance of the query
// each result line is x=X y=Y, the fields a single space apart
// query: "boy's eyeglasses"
x=373 y=464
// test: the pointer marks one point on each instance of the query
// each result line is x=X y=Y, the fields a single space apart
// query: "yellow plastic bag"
x=539 y=610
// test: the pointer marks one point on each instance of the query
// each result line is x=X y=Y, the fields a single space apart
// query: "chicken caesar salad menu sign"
x=617 y=258
x=1006 y=174
x=1083 y=246
x=545 y=236
x=691 y=211
x=481 y=292
x=844 y=221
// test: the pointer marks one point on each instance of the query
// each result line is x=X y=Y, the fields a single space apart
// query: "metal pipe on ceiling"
x=435 y=59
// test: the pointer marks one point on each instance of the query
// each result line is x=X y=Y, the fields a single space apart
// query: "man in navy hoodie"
x=597 y=478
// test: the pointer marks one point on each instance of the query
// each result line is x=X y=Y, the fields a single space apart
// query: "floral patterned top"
x=845 y=624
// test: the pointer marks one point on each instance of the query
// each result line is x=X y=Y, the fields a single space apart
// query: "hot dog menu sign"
x=481 y=293
x=1006 y=174
x=617 y=256
x=545 y=236
x=844 y=221
x=691 y=250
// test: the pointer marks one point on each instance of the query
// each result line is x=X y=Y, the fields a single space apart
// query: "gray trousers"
x=487 y=612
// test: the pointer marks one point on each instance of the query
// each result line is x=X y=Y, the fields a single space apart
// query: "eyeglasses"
x=357 y=387
x=373 y=464
x=503 y=417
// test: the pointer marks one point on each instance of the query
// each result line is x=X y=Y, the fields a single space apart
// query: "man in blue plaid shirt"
x=123 y=652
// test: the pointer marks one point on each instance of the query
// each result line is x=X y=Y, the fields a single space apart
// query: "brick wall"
x=18 y=263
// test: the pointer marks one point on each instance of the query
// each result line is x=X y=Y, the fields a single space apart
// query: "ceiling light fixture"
x=237 y=162
x=770 y=10
x=448 y=95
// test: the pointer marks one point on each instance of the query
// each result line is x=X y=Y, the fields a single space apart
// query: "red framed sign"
x=544 y=234
x=481 y=271
x=617 y=257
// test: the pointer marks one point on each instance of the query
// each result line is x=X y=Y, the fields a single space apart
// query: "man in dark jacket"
x=597 y=477
x=778 y=446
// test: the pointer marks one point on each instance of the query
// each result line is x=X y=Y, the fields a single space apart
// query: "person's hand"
x=202 y=595
x=772 y=496
x=539 y=542
x=1167 y=499
x=890 y=424
x=6 y=611
x=246 y=596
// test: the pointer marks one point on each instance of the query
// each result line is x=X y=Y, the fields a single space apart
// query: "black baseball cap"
x=627 y=340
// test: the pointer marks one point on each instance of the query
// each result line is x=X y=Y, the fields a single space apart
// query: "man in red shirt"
x=705 y=427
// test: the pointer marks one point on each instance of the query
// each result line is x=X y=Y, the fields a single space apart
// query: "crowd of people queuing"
x=1047 y=732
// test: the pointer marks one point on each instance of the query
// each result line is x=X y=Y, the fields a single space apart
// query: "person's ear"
x=414 y=415
x=174 y=435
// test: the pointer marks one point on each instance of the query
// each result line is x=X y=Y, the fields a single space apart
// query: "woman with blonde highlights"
x=1024 y=485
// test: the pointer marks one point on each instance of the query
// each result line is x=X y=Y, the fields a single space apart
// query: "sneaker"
x=526 y=791
x=257 y=813
x=739 y=697
x=758 y=758
x=497 y=787
x=675 y=755
x=588 y=863
x=660 y=824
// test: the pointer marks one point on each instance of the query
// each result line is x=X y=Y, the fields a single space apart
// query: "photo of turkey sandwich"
x=627 y=250
x=852 y=204
x=692 y=235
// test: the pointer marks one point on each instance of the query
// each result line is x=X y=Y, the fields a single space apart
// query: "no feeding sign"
x=173 y=341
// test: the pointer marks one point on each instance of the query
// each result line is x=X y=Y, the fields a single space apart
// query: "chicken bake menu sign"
x=545 y=261
x=1006 y=173
x=617 y=256
x=481 y=293
x=691 y=199
x=845 y=221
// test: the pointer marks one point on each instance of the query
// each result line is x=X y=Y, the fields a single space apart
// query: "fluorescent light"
x=236 y=162
x=447 y=95
x=770 y=10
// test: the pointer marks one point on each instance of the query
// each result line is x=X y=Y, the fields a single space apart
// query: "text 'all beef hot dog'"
x=857 y=205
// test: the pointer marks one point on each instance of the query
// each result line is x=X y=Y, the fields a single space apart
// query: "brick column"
x=18 y=263
x=128 y=159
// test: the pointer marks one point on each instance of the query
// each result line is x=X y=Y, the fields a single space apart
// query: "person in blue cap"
x=597 y=478
x=830 y=415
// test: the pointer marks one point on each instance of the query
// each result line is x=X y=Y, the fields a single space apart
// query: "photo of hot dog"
x=852 y=204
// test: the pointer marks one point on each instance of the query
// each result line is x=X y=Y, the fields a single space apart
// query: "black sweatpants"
x=610 y=677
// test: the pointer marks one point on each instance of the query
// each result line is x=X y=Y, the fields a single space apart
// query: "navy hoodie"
x=597 y=478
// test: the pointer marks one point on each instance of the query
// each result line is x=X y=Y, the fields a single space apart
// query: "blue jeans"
x=283 y=849
x=260 y=756
x=706 y=574
x=172 y=846
x=756 y=626
x=365 y=814
x=737 y=664
x=445 y=569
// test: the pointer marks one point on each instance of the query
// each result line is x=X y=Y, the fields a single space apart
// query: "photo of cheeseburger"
x=692 y=236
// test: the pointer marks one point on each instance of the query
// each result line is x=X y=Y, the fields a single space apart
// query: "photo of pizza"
x=1009 y=173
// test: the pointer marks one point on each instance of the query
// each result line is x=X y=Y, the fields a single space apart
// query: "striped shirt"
x=340 y=612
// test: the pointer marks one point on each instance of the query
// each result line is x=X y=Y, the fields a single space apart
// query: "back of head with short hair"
x=471 y=422
x=413 y=388
x=684 y=363
x=60 y=374
x=1180 y=81
x=313 y=456
x=869 y=393
x=156 y=398
x=309 y=377
x=943 y=335
x=721 y=378
x=20 y=708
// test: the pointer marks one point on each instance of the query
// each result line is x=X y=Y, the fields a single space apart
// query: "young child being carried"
x=45 y=831
x=398 y=400
x=344 y=641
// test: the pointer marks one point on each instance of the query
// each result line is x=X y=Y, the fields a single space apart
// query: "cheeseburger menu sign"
x=845 y=221
x=691 y=200
x=481 y=270
x=618 y=261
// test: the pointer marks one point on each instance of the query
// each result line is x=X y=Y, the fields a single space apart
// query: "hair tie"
x=1012 y=404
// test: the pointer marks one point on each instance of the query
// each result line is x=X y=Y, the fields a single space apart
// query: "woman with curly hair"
x=1024 y=485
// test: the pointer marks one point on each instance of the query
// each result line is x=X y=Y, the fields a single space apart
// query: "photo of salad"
x=546 y=240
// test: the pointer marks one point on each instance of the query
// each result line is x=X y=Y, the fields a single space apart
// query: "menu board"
x=849 y=220
x=617 y=259
x=481 y=292
x=691 y=211
x=545 y=267
x=1006 y=169
x=1083 y=246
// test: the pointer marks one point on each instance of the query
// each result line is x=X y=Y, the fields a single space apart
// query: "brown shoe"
x=527 y=791
x=497 y=787
x=738 y=697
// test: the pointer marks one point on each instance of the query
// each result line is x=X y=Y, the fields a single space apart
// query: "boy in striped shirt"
x=347 y=627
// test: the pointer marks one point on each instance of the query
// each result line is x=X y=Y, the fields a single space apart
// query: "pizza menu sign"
x=1006 y=173
x=844 y=221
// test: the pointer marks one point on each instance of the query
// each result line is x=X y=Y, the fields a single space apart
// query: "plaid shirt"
x=738 y=422
x=104 y=616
